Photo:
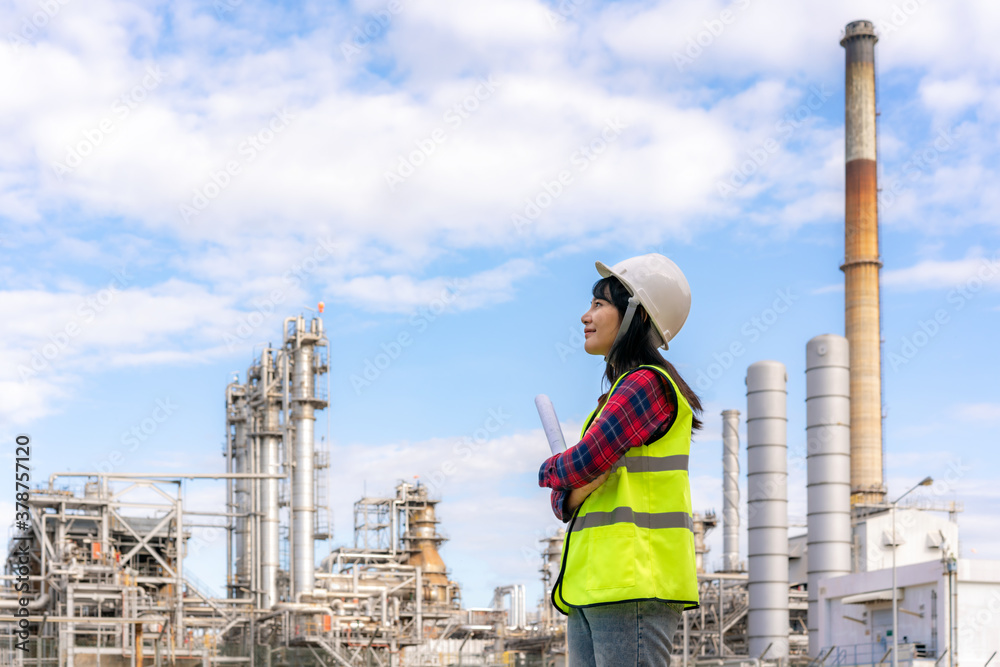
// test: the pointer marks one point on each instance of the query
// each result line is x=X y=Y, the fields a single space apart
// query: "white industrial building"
x=941 y=603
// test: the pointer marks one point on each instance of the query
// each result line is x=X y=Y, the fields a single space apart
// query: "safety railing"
x=872 y=654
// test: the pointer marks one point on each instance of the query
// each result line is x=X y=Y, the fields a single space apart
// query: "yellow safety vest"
x=633 y=537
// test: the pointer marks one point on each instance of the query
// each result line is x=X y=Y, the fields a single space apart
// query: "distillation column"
x=241 y=496
x=828 y=463
x=301 y=344
x=730 y=490
x=270 y=436
x=862 y=263
x=767 y=509
x=551 y=559
x=423 y=541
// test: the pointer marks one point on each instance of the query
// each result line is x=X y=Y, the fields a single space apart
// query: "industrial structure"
x=856 y=539
x=862 y=263
x=107 y=583
x=767 y=510
x=106 y=577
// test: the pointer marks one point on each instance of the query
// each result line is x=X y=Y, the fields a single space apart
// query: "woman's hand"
x=577 y=496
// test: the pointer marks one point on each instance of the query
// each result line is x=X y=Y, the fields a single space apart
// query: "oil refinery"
x=872 y=581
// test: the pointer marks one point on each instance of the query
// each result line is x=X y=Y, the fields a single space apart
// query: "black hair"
x=639 y=345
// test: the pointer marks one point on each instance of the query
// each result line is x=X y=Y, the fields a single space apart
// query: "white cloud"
x=51 y=338
x=989 y=412
x=402 y=293
x=977 y=268
x=54 y=336
x=951 y=96
x=24 y=403
x=325 y=173
x=329 y=164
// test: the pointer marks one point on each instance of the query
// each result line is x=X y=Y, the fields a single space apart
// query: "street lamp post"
x=926 y=481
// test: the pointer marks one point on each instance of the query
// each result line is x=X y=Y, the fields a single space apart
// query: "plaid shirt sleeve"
x=642 y=409
x=559 y=497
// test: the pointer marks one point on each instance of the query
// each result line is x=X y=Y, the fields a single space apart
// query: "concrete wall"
x=860 y=629
x=797 y=560
x=978 y=611
x=918 y=534
x=919 y=588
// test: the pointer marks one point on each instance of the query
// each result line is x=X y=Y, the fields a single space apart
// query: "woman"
x=628 y=563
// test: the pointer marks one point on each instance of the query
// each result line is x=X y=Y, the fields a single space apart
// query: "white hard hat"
x=659 y=285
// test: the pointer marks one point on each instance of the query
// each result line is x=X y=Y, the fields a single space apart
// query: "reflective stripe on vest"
x=633 y=537
x=652 y=463
x=644 y=519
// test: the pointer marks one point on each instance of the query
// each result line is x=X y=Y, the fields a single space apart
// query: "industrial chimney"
x=767 y=510
x=828 y=475
x=861 y=265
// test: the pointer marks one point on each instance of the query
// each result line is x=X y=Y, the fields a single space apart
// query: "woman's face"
x=600 y=326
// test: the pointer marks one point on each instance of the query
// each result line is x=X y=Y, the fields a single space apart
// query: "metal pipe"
x=419 y=620
x=895 y=607
x=286 y=445
x=241 y=494
x=179 y=568
x=82 y=622
x=731 y=490
x=828 y=462
x=767 y=525
x=255 y=520
x=70 y=628
x=160 y=477
x=34 y=605
x=523 y=601
x=684 y=661
x=229 y=493
x=722 y=617
x=926 y=481
x=862 y=263
x=953 y=613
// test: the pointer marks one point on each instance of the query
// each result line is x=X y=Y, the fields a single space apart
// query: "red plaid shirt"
x=641 y=410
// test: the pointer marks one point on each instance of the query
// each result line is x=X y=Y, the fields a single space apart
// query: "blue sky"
x=179 y=177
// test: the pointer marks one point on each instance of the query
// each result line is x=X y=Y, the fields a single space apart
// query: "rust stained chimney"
x=861 y=266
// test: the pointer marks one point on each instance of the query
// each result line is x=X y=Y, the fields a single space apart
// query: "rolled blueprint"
x=550 y=424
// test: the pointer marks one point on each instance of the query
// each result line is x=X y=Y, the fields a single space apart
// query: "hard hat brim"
x=607 y=272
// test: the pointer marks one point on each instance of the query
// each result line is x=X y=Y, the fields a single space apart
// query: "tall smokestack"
x=862 y=264
x=767 y=510
x=828 y=472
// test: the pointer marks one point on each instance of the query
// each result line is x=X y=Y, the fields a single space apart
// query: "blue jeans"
x=624 y=634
